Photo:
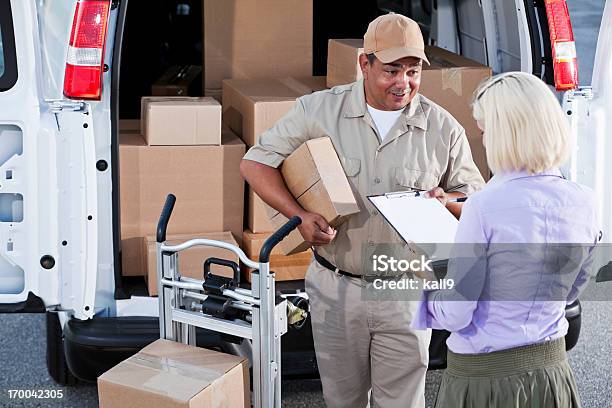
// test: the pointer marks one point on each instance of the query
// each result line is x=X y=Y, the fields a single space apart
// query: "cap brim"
x=393 y=54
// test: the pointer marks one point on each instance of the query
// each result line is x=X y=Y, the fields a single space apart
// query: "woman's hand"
x=439 y=194
x=443 y=197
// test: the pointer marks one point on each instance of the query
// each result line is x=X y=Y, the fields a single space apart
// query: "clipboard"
x=418 y=220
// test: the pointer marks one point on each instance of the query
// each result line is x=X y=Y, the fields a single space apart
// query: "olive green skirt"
x=534 y=376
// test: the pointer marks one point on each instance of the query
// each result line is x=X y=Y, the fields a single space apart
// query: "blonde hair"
x=524 y=126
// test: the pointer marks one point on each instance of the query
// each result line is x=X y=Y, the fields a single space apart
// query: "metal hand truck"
x=218 y=304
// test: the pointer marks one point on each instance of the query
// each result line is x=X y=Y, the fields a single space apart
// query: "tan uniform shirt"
x=426 y=148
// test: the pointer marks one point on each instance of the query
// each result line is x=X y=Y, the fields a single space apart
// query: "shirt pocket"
x=351 y=166
x=415 y=179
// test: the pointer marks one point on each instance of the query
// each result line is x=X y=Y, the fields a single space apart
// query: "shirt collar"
x=504 y=177
x=356 y=107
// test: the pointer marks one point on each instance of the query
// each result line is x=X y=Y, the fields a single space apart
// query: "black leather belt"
x=326 y=264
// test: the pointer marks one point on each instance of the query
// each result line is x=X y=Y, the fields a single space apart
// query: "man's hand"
x=315 y=229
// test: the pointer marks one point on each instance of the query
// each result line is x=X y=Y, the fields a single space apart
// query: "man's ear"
x=364 y=64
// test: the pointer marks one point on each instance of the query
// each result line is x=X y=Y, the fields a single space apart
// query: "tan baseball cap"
x=394 y=36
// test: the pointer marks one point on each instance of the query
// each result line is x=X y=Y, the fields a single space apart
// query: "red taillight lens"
x=83 y=74
x=565 y=63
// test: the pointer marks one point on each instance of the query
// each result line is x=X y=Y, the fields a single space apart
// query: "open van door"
x=52 y=169
x=589 y=110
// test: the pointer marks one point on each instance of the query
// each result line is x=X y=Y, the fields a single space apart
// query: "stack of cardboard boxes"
x=180 y=147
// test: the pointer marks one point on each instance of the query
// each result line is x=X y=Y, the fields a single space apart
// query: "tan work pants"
x=362 y=345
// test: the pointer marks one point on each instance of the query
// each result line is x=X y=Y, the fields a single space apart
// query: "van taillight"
x=85 y=60
x=565 y=63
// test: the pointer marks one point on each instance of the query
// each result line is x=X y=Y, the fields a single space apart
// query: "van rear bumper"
x=94 y=346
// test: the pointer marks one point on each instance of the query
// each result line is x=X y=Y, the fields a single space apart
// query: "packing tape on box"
x=451 y=74
x=452 y=79
x=166 y=365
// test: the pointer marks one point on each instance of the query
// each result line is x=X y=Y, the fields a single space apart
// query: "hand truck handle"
x=222 y=262
x=278 y=236
x=162 y=224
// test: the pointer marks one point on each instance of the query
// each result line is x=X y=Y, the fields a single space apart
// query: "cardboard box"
x=191 y=261
x=343 y=61
x=129 y=126
x=286 y=267
x=179 y=80
x=146 y=100
x=252 y=243
x=450 y=81
x=205 y=180
x=132 y=257
x=131 y=145
x=183 y=122
x=314 y=176
x=257 y=213
x=167 y=374
x=251 y=107
x=256 y=39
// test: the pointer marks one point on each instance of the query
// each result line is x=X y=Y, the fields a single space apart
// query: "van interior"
x=174 y=30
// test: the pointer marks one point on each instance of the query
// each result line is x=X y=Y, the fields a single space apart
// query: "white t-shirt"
x=384 y=120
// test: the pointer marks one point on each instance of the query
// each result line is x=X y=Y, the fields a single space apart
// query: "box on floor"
x=167 y=374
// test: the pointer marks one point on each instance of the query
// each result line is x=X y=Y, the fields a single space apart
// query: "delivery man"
x=388 y=138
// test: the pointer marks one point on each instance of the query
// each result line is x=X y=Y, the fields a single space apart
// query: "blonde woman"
x=523 y=250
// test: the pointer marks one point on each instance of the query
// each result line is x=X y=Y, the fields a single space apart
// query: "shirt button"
x=374 y=212
x=377 y=180
x=371 y=243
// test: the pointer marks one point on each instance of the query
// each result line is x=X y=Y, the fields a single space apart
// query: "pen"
x=456 y=187
x=457 y=200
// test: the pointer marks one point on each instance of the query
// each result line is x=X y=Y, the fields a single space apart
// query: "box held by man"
x=315 y=177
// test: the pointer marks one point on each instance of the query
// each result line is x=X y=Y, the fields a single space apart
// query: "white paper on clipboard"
x=417 y=219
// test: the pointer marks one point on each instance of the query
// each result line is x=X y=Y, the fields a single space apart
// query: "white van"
x=70 y=69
